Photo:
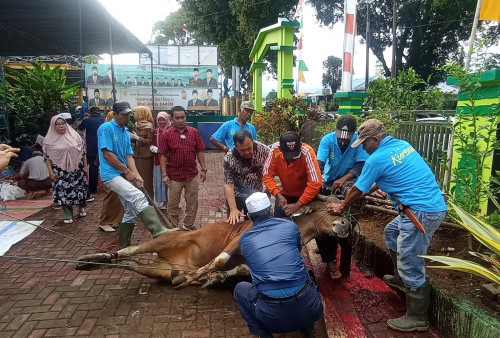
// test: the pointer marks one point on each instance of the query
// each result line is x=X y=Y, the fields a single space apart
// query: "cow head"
x=315 y=221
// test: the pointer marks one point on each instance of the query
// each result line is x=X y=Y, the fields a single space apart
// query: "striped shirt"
x=300 y=178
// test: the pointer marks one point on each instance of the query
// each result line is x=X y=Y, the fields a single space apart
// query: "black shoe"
x=90 y=198
x=56 y=206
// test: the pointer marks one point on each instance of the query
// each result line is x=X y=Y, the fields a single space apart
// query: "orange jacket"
x=301 y=177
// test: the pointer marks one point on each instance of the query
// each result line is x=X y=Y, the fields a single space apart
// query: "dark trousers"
x=327 y=246
x=93 y=173
x=264 y=315
x=34 y=185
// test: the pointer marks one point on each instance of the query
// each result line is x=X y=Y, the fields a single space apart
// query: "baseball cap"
x=246 y=105
x=346 y=126
x=369 y=128
x=121 y=107
x=257 y=201
x=290 y=145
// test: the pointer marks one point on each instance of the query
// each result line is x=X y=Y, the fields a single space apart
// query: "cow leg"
x=157 y=270
x=105 y=257
x=220 y=276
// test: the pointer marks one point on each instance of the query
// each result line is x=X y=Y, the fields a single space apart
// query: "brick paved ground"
x=51 y=299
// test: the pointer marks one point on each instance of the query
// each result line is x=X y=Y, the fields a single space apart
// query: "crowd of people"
x=168 y=162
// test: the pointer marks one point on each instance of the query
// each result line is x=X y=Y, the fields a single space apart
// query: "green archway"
x=277 y=37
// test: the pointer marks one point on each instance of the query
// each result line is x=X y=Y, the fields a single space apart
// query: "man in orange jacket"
x=296 y=166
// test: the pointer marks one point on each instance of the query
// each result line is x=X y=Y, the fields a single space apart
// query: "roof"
x=52 y=27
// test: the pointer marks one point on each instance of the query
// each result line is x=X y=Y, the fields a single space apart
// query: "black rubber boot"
x=415 y=319
x=394 y=280
x=152 y=222
x=125 y=234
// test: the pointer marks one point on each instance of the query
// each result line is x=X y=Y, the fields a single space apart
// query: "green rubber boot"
x=151 y=221
x=394 y=280
x=125 y=234
x=415 y=319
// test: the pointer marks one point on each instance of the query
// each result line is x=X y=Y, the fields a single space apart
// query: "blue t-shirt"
x=336 y=163
x=272 y=250
x=117 y=140
x=90 y=125
x=399 y=170
x=225 y=132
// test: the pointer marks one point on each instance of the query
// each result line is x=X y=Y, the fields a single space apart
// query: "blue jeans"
x=134 y=201
x=402 y=236
x=160 y=188
x=264 y=317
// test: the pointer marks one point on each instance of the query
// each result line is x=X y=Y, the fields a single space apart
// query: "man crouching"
x=282 y=297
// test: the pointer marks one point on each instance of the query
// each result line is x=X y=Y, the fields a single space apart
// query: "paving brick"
x=17 y=322
x=78 y=318
x=37 y=333
x=25 y=329
x=52 y=323
x=86 y=328
x=44 y=315
x=60 y=332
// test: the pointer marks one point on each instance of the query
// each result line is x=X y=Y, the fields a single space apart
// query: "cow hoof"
x=88 y=262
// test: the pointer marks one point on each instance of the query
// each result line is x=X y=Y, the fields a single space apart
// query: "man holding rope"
x=119 y=173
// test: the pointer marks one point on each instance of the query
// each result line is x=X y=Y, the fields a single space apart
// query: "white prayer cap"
x=257 y=201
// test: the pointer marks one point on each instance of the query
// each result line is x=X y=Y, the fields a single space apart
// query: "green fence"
x=429 y=132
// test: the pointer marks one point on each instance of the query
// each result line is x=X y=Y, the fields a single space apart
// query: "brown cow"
x=186 y=256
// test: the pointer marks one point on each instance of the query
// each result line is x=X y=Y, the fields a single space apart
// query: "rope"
x=58 y=233
x=84 y=262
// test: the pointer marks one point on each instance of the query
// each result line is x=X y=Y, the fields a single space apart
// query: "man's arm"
x=130 y=170
x=353 y=195
x=201 y=160
x=234 y=213
x=163 y=168
x=321 y=165
x=218 y=144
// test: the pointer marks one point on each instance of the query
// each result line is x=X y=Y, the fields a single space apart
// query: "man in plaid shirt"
x=179 y=148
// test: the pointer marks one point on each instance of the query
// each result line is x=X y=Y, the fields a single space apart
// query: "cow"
x=184 y=257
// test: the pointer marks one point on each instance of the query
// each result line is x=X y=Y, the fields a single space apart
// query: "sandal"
x=333 y=272
x=81 y=212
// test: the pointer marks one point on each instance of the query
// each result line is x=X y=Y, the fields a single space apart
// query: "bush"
x=285 y=115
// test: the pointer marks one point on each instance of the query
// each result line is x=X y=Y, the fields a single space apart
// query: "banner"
x=164 y=97
x=140 y=76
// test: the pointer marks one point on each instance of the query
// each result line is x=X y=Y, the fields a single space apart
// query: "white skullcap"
x=257 y=201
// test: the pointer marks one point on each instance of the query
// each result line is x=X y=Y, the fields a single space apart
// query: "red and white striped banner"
x=349 y=39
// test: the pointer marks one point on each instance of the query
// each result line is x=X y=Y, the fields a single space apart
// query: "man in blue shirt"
x=395 y=167
x=339 y=163
x=223 y=137
x=119 y=173
x=91 y=125
x=281 y=297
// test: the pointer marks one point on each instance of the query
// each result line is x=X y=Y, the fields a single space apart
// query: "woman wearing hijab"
x=143 y=157
x=112 y=209
x=163 y=121
x=64 y=151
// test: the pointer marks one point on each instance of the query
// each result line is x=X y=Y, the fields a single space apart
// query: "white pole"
x=472 y=38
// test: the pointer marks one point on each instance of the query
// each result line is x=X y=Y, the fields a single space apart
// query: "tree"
x=169 y=31
x=233 y=25
x=332 y=77
x=33 y=94
x=428 y=31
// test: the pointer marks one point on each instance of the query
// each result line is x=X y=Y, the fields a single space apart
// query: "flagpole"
x=472 y=38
